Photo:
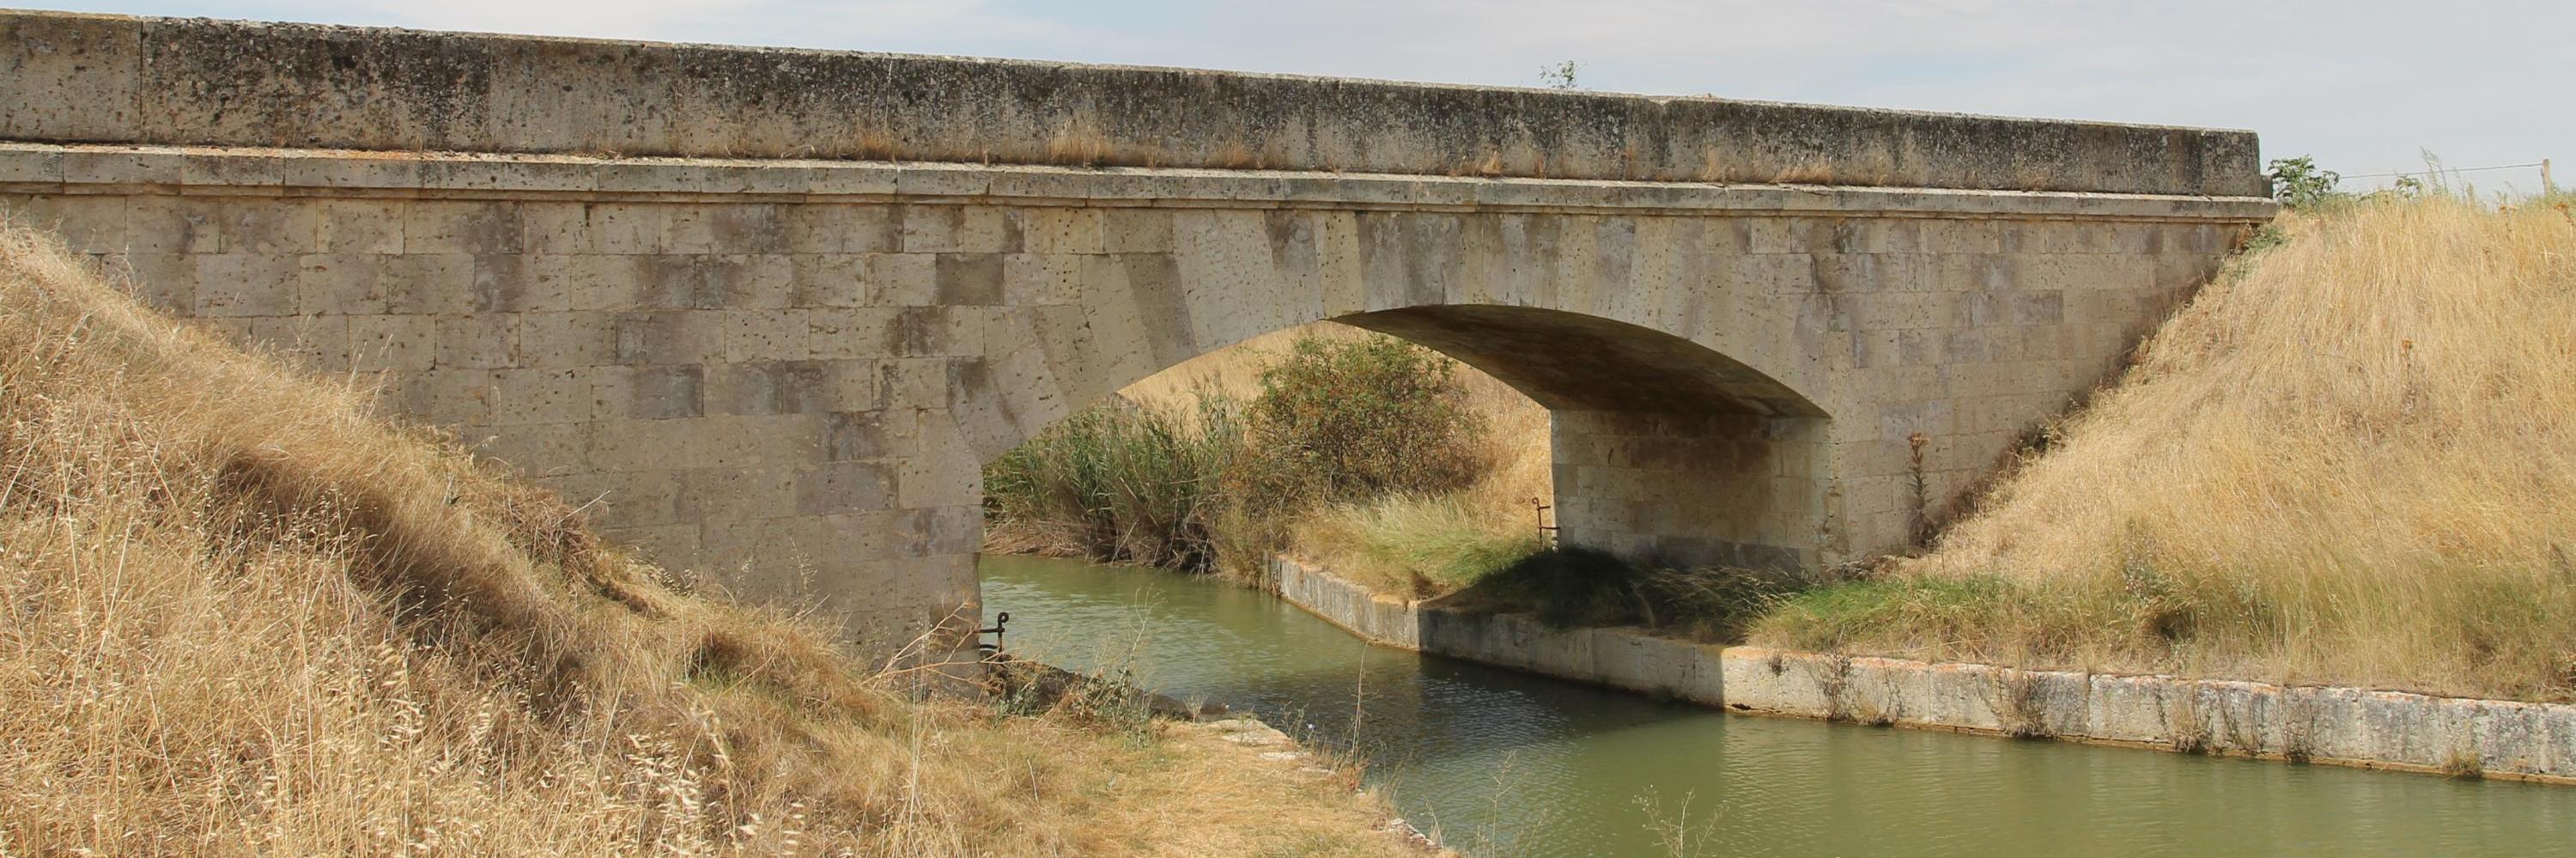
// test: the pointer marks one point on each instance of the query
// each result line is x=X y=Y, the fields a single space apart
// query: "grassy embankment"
x=2345 y=462
x=239 y=615
x=2348 y=461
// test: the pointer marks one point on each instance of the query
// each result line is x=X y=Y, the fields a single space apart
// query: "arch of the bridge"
x=1665 y=450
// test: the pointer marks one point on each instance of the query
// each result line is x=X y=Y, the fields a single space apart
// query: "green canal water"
x=1504 y=763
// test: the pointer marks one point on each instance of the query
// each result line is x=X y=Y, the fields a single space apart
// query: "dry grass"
x=2349 y=461
x=1233 y=371
x=240 y=616
x=1076 y=143
x=1419 y=546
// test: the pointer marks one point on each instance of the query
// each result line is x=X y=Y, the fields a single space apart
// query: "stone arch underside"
x=1666 y=451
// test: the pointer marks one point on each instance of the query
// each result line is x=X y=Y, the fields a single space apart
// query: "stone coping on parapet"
x=43 y=168
x=2504 y=739
x=116 y=79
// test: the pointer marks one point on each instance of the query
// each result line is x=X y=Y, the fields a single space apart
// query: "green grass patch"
x=1417 y=545
x=1838 y=616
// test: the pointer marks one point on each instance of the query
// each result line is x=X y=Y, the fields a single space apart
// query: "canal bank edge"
x=1242 y=733
x=2321 y=724
x=1270 y=746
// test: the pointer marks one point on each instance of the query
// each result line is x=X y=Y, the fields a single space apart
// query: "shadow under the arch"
x=1575 y=361
x=1578 y=586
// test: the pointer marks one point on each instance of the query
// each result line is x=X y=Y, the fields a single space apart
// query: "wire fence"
x=2548 y=183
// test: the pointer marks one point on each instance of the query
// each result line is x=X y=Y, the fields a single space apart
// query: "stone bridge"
x=775 y=307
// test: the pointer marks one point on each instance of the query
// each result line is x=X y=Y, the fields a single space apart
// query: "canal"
x=1503 y=763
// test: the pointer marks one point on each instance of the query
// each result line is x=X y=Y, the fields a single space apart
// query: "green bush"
x=1835 y=617
x=1351 y=420
x=2300 y=184
x=1212 y=485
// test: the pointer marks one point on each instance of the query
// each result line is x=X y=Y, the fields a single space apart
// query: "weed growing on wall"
x=2300 y=184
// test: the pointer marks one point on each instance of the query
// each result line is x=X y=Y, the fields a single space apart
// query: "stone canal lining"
x=2322 y=724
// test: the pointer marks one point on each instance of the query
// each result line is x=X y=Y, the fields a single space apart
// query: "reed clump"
x=241 y=615
x=1121 y=483
x=2347 y=461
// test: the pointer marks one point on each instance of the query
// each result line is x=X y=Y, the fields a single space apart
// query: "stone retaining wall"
x=2343 y=726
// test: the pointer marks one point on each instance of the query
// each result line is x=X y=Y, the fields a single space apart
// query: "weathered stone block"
x=405 y=343
x=1055 y=230
x=478 y=342
x=765 y=335
x=829 y=280
x=670 y=337
x=968 y=279
x=437 y=284
x=448 y=395
x=648 y=393
x=553 y=395
x=245 y=284
x=569 y=339
x=158 y=224
x=843 y=487
x=87 y=224
x=628 y=228
x=339 y=284
x=537 y=449
x=841 y=229
x=471 y=228
x=904 y=279
x=960 y=229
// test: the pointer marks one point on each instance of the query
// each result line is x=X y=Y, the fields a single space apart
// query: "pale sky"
x=2364 y=85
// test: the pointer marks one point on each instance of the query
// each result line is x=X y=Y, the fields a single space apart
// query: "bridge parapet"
x=109 y=79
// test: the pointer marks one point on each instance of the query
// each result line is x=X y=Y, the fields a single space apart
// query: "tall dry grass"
x=239 y=615
x=2348 y=461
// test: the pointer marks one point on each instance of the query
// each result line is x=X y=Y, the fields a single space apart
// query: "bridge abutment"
x=1683 y=490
